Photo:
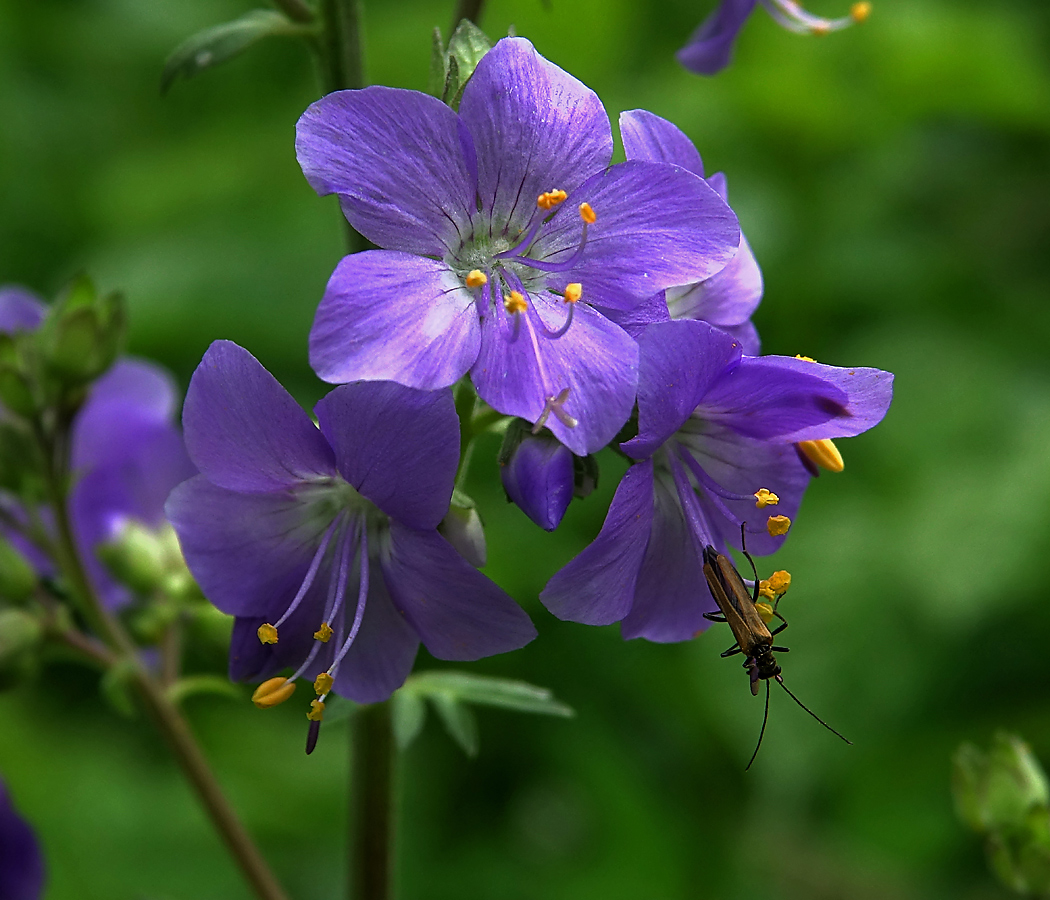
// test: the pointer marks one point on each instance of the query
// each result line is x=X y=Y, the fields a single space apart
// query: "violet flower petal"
x=635 y=321
x=138 y=383
x=20 y=309
x=535 y=128
x=710 y=49
x=457 y=612
x=396 y=160
x=389 y=316
x=398 y=446
x=727 y=298
x=650 y=137
x=244 y=431
x=594 y=359
x=657 y=226
x=597 y=586
x=21 y=864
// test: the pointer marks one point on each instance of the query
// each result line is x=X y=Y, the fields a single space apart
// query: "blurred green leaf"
x=203 y=684
x=459 y=722
x=488 y=691
x=409 y=713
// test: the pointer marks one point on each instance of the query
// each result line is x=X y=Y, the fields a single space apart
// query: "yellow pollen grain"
x=272 y=692
x=765 y=611
x=587 y=214
x=859 y=12
x=573 y=292
x=476 y=278
x=267 y=634
x=515 y=302
x=804 y=358
x=764 y=498
x=823 y=453
x=323 y=683
x=764 y=590
x=550 y=199
x=779 y=582
x=316 y=713
x=778 y=525
x=324 y=633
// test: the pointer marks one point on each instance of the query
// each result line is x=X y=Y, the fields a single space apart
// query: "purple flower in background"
x=729 y=297
x=126 y=453
x=539 y=476
x=321 y=541
x=506 y=238
x=21 y=864
x=720 y=440
x=710 y=49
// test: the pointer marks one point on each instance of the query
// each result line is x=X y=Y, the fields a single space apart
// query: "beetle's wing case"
x=729 y=592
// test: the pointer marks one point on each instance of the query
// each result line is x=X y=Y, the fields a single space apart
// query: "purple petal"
x=594 y=359
x=456 y=611
x=396 y=445
x=679 y=362
x=711 y=47
x=796 y=400
x=671 y=595
x=647 y=136
x=634 y=321
x=535 y=127
x=147 y=388
x=727 y=298
x=20 y=310
x=244 y=431
x=597 y=587
x=248 y=552
x=396 y=160
x=21 y=865
x=657 y=226
x=539 y=478
x=391 y=316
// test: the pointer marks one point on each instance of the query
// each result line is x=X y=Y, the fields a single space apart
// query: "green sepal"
x=460 y=723
x=17 y=575
x=221 y=43
x=438 y=66
x=80 y=339
x=585 y=474
x=202 y=684
x=463 y=529
x=451 y=67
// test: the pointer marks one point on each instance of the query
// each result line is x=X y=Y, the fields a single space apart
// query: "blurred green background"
x=894 y=181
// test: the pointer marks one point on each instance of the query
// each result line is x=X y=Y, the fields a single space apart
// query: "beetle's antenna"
x=780 y=681
x=765 y=717
x=754 y=598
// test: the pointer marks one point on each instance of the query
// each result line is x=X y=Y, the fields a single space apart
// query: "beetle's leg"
x=778 y=629
x=781 y=649
x=732 y=651
x=714 y=617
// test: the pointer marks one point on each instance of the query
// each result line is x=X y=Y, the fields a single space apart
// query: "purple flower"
x=721 y=439
x=729 y=297
x=21 y=865
x=710 y=49
x=321 y=541
x=507 y=237
x=538 y=474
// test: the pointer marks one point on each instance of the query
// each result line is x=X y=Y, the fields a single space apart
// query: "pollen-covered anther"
x=859 y=12
x=515 y=302
x=765 y=611
x=267 y=634
x=779 y=582
x=316 y=713
x=476 y=278
x=324 y=633
x=778 y=525
x=587 y=214
x=323 y=683
x=550 y=199
x=272 y=692
x=823 y=453
x=805 y=358
x=764 y=498
x=573 y=292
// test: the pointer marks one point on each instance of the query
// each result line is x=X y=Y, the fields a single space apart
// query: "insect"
x=753 y=638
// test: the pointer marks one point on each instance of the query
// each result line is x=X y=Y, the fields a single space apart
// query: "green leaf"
x=459 y=722
x=202 y=684
x=221 y=43
x=409 y=713
x=488 y=691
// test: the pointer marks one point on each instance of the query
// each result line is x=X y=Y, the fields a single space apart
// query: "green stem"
x=468 y=9
x=296 y=10
x=372 y=819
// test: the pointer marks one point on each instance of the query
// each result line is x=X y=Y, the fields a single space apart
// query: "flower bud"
x=136 y=556
x=538 y=473
x=462 y=528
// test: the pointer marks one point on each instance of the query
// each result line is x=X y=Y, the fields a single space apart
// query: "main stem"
x=372 y=819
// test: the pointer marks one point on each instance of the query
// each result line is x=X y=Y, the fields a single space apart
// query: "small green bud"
x=136 y=557
x=82 y=334
x=452 y=66
x=997 y=790
x=20 y=636
x=463 y=529
x=17 y=576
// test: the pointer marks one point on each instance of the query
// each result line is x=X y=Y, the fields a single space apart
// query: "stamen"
x=550 y=199
x=323 y=684
x=267 y=634
x=573 y=292
x=764 y=498
x=779 y=582
x=359 y=614
x=324 y=633
x=514 y=302
x=859 y=12
x=805 y=358
x=823 y=453
x=272 y=692
x=778 y=525
x=316 y=713
x=476 y=278
x=765 y=611
x=795 y=18
x=587 y=214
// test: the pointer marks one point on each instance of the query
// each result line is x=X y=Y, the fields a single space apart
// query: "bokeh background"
x=894 y=181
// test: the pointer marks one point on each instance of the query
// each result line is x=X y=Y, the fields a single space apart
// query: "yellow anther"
x=316 y=713
x=765 y=611
x=267 y=634
x=515 y=303
x=859 y=12
x=779 y=582
x=324 y=633
x=323 y=683
x=550 y=199
x=804 y=358
x=272 y=692
x=573 y=292
x=823 y=453
x=476 y=278
x=764 y=590
x=764 y=498
x=587 y=214
x=778 y=525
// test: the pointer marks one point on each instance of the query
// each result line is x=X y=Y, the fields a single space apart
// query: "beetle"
x=738 y=609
